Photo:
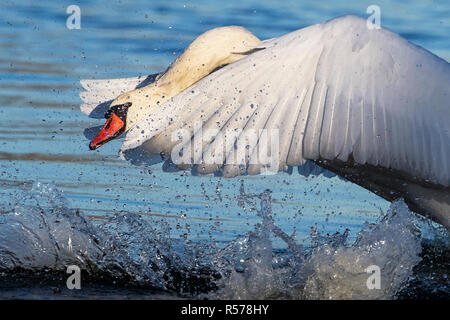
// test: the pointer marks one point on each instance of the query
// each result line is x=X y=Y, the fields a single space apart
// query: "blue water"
x=41 y=127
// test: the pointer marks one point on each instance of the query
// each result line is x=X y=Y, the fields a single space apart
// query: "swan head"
x=209 y=51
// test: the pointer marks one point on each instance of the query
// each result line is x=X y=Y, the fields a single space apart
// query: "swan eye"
x=119 y=109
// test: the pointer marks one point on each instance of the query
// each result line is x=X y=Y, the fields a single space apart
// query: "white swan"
x=365 y=104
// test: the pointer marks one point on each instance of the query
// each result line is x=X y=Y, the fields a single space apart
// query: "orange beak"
x=113 y=128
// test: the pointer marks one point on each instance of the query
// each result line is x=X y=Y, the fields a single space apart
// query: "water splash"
x=339 y=272
x=39 y=232
x=331 y=269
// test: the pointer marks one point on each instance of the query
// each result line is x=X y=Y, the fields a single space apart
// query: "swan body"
x=365 y=104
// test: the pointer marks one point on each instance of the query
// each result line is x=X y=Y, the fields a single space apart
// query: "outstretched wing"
x=331 y=91
x=100 y=93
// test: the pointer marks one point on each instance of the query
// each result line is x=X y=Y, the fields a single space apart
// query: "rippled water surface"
x=154 y=232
